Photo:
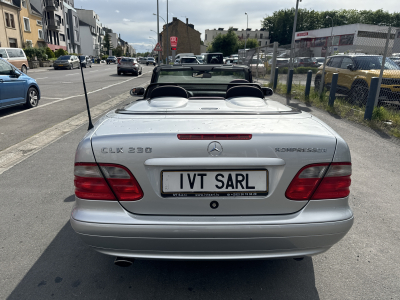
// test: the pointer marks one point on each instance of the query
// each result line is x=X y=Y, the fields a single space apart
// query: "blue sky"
x=134 y=19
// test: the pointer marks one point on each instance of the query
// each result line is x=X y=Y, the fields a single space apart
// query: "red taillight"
x=215 y=136
x=118 y=182
x=321 y=181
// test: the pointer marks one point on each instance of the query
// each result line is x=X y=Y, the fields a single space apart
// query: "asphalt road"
x=63 y=97
x=42 y=258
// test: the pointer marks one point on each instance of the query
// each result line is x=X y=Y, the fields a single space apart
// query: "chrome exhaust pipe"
x=123 y=261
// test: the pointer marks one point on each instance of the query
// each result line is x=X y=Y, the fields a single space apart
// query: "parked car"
x=319 y=61
x=188 y=60
x=16 y=57
x=150 y=61
x=355 y=73
x=280 y=62
x=210 y=168
x=303 y=62
x=66 y=62
x=17 y=88
x=396 y=59
x=85 y=61
x=111 y=59
x=231 y=61
x=257 y=66
x=129 y=65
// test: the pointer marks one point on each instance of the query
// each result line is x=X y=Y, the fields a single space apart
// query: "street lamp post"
x=166 y=22
x=330 y=51
x=158 y=31
x=322 y=81
x=245 y=41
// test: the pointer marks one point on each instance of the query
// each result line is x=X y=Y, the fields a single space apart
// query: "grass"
x=383 y=118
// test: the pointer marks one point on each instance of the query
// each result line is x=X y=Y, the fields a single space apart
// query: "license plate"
x=206 y=183
x=60 y=65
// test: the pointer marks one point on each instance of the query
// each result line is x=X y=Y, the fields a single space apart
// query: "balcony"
x=51 y=5
x=54 y=24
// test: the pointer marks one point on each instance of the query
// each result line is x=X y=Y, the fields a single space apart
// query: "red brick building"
x=188 y=37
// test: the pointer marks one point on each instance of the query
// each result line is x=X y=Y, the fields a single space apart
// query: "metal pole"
x=245 y=41
x=276 y=77
x=290 y=79
x=332 y=95
x=158 y=31
x=167 y=44
x=308 y=84
x=273 y=66
x=383 y=66
x=293 y=40
x=371 y=98
x=321 y=85
x=87 y=101
x=258 y=56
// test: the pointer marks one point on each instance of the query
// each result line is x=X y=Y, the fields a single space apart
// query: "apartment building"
x=261 y=35
x=10 y=27
x=72 y=27
x=91 y=33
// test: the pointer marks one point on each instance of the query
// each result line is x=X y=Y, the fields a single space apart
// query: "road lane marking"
x=50 y=98
x=19 y=152
x=70 y=97
x=72 y=74
x=41 y=78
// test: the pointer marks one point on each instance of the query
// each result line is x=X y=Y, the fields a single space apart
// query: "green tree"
x=225 y=43
x=60 y=52
x=118 y=51
x=251 y=43
x=50 y=54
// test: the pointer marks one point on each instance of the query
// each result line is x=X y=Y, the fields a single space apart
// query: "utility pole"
x=245 y=41
x=167 y=43
x=292 y=46
x=158 y=31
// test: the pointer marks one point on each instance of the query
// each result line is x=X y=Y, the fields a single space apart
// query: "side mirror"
x=267 y=91
x=139 y=91
x=350 y=67
x=14 y=73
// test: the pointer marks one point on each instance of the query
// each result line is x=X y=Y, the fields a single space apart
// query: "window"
x=261 y=35
x=75 y=21
x=346 y=61
x=62 y=37
x=320 y=42
x=259 y=43
x=335 y=62
x=13 y=43
x=335 y=41
x=23 y=3
x=374 y=35
x=40 y=33
x=9 y=20
x=15 y=53
x=206 y=36
x=5 y=68
x=27 y=25
x=76 y=36
x=39 y=23
x=346 y=39
x=12 y=20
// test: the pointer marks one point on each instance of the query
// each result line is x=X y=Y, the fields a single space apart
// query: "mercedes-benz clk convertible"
x=206 y=167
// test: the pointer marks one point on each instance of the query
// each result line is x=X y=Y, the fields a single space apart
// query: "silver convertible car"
x=204 y=167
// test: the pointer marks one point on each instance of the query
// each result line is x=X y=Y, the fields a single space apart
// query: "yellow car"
x=355 y=73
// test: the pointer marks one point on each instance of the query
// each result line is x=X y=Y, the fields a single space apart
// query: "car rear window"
x=188 y=60
x=306 y=60
x=14 y=53
x=127 y=59
x=66 y=57
x=189 y=76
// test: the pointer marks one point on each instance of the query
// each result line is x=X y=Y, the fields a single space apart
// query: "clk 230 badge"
x=129 y=150
x=317 y=150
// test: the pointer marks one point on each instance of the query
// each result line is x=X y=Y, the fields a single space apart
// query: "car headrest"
x=169 y=91
x=244 y=91
x=232 y=83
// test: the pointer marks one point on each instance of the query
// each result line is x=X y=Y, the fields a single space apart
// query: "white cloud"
x=117 y=11
x=126 y=20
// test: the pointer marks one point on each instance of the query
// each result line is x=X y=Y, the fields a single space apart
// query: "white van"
x=16 y=57
x=180 y=55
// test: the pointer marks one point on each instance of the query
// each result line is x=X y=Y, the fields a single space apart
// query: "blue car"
x=17 y=88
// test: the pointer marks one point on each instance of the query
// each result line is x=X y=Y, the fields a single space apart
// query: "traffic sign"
x=157 y=47
x=174 y=41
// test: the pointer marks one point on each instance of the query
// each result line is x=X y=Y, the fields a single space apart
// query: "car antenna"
x=87 y=101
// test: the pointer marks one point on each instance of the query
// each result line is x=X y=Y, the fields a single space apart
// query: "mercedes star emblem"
x=214 y=149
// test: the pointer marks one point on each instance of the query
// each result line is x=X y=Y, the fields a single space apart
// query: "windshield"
x=188 y=60
x=374 y=63
x=66 y=57
x=187 y=76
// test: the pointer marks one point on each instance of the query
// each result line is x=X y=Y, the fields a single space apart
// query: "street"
x=42 y=257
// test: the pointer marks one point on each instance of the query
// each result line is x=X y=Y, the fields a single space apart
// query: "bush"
x=50 y=54
x=104 y=57
x=30 y=53
x=60 y=52
x=304 y=70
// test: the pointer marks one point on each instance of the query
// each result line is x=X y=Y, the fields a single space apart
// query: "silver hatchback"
x=129 y=65
x=67 y=62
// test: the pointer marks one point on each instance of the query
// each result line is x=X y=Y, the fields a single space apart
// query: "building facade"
x=10 y=27
x=261 y=35
x=354 y=38
x=188 y=37
x=72 y=28
x=91 y=32
x=30 y=19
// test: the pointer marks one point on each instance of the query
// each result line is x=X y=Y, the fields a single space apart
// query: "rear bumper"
x=254 y=237
x=124 y=69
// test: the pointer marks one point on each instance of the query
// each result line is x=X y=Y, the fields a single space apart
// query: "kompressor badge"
x=315 y=150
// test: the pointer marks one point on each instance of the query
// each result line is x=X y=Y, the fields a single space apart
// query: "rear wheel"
x=119 y=73
x=32 y=98
x=359 y=93
x=24 y=69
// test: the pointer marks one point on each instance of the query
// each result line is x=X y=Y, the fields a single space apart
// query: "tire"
x=32 y=98
x=24 y=69
x=70 y=67
x=55 y=68
x=359 y=93
x=119 y=73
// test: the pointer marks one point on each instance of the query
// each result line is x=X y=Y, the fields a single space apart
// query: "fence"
x=359 y=70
